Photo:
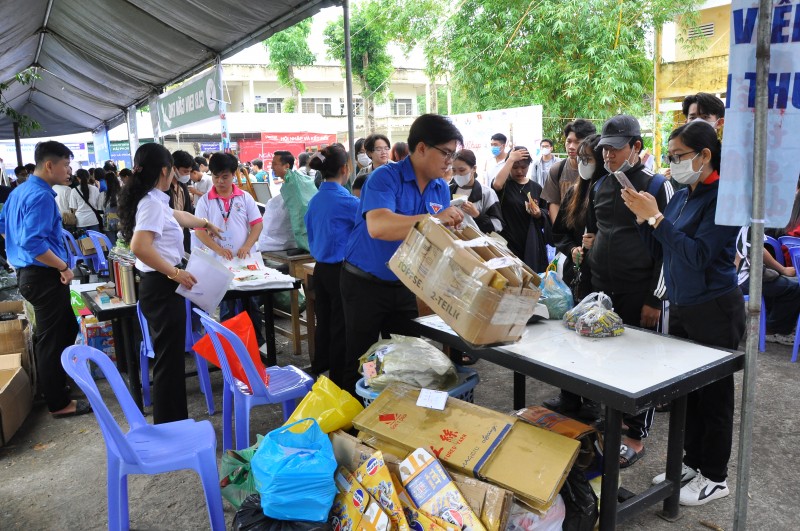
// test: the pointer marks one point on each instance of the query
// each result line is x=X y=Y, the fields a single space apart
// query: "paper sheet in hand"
x=212 y=277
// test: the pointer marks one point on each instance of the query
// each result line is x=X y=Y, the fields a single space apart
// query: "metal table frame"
x=617 y=402
x=124 y=322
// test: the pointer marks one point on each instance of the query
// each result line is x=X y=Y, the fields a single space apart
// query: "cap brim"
x=616 y=142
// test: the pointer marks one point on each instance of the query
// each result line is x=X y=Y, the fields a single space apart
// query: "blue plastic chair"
x=789 y=241
x=776 y=248
x=762 y=325
x=74 y=250
x=794 y=253
x=145 y=448
x=99 y=261
x=286 y=385
x=146 y=351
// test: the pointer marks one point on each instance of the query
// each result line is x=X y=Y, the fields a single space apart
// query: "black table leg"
x=677 y=432
x=519 y=390
x=132 y=358
x=610 y=483
x=269 y=329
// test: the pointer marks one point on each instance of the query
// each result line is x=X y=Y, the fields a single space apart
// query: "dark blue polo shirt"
x=392 y=186
x=329 y=221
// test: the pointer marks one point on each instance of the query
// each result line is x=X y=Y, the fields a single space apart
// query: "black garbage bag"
x=250 y=517
x=580 y=502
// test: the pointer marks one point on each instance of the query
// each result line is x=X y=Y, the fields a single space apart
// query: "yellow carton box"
x=531 y=462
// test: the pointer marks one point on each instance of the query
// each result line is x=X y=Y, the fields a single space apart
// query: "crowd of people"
x=641 y=237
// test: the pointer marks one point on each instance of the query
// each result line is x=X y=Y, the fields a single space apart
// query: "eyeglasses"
x=676 y=158
x=585 y=160
x=448 y=155
x=381 y=150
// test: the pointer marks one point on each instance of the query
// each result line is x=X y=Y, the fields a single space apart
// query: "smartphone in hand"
x=623 y=180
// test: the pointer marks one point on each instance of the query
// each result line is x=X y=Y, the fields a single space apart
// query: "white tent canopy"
x=96 y=58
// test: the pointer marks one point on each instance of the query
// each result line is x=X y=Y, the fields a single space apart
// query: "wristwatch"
x=652 y=220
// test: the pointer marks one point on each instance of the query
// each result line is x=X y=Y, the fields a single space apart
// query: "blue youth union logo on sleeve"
x=435 y=207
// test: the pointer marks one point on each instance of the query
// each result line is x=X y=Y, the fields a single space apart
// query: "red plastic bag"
x=242 y=326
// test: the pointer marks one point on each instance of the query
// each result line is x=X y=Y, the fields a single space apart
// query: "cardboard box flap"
x=10 y=362
x=15 y=398
x=533 y=461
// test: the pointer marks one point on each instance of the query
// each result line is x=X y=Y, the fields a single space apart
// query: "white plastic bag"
x=592 y=300
x=409 y=360
x=521 y=519
x=277 y=233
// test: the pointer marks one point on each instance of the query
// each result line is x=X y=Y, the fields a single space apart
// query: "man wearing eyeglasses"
x=394 y=198
x=621 y=264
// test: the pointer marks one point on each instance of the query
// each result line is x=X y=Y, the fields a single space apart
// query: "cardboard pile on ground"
x=485 y=293
x=531 y=462
x=15 y=337
x=16 y=398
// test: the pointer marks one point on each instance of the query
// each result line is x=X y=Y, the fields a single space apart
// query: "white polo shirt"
x=235 y=215
x=154 y=214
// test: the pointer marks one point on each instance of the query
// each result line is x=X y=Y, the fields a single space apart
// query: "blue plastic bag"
x=294 y=473
x=556 y=295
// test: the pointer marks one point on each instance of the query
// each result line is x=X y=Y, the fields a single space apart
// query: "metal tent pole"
x=348 y=69
x=756 y=265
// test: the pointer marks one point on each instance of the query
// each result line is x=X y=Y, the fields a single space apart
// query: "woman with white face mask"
x=706 y=304
x=571 y=239
x=482 y=203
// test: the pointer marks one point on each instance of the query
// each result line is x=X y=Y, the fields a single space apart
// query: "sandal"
x=82 y=407
x=628 y=456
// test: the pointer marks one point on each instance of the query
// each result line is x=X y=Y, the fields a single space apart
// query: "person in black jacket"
x=482 y=203
x=621 y=264
x=706 y=305
x=179 y=198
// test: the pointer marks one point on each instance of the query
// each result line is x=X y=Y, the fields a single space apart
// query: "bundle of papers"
x=250 y=274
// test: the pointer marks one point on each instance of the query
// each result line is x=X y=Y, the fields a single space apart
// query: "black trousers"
x=331 y=345
x=56 y=329
x=372 y=309
x=709 y=411
x=629 y=307
x=165 y=312
x=782 y=296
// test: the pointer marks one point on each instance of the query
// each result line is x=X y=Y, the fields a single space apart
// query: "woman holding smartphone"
x=706 y=304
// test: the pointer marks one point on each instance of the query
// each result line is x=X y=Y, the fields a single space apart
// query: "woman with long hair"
x=570 y=238
x=155 y=234
x=330 y=219
x=482 y=204
x=84 y=201
x=706 y=304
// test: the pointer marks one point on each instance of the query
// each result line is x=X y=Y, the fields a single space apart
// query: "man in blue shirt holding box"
x=31 y=224
x=394 y=198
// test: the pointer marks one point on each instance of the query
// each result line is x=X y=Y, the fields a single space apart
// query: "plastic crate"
x=467 y=378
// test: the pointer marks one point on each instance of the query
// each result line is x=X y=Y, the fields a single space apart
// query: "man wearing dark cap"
x=621 y=264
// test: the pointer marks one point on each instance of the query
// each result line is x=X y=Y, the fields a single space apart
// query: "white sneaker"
x=783 y=339
x=687 y=473
x=702 y=490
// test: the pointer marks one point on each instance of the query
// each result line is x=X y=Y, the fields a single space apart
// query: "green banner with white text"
x=195 y=101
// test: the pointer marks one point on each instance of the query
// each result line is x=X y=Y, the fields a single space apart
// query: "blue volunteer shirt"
x=330 y=219
x=31 y=223
x=392 y=186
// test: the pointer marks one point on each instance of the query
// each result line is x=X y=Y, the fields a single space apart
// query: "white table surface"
x=632 y=362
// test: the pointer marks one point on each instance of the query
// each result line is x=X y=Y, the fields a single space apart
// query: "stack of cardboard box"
x=17 y=370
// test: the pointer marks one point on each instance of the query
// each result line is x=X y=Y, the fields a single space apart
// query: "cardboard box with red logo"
x=531 y=462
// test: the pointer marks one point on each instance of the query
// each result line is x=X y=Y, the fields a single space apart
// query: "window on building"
x=703 y=30
x=317 y=105
x=402 y=107
x=272 y=105
x=358 y=106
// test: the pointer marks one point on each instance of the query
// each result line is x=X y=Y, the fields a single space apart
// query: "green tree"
x=578 y=58
x=26 y=124
x=288 y=50
x=372 y=64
